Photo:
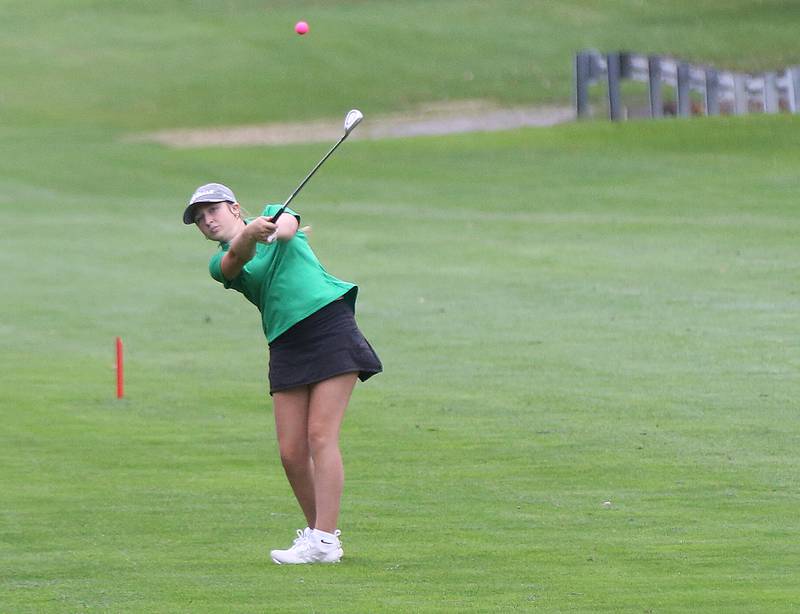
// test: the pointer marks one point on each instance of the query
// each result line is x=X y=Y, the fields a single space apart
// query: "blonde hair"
x=243 y=213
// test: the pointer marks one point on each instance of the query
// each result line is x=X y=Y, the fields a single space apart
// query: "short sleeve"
x=271 y=210
x=215 y=268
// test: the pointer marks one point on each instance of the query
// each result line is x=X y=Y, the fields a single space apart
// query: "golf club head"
x=351 y=120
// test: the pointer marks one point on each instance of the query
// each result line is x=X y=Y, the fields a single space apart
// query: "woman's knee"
x=294 y=456
x=321 y=438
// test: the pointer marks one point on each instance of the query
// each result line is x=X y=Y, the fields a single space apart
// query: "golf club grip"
x=278 y=213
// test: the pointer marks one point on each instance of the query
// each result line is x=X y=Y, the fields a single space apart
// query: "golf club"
x=351 y=120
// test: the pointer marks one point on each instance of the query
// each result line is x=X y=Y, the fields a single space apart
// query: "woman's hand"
x=284 y=228
x=261 y=229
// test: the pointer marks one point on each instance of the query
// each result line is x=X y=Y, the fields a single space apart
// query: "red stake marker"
x=120 y=370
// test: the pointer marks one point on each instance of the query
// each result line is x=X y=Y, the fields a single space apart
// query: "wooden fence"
x=697 y=89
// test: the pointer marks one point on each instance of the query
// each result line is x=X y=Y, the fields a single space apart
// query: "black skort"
x=325 y=344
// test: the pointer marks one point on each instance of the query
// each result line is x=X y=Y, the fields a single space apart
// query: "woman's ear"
x=235 y=209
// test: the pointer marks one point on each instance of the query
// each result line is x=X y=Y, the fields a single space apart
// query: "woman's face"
x=218 y=221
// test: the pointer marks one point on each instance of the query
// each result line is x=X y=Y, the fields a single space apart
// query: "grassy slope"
x=138 y=65
x=567 y=316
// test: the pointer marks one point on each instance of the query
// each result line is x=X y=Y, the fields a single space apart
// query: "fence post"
x=740 y=99
x=654 y=76
x=793 y=84
x=793 y=74
x=712 y=92
x=614 y=98
x=771 y=104
x=582 y=69
x=684 y=103
x=791 y=93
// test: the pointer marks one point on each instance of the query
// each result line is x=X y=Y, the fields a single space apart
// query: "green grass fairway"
x=590 y=332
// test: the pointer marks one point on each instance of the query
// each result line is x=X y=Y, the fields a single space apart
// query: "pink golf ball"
x=301 y=27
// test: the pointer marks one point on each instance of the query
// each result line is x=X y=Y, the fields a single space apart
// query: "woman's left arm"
x=287 y=227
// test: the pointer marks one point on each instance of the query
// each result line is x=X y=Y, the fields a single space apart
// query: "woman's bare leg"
x=291 y=409
x=326 y=407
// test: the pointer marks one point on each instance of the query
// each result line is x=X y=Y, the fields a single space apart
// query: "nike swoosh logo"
x=326 y=543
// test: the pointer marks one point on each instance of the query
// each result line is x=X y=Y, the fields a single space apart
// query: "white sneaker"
x=326 y=546
x=297 y=552
x=311 y=546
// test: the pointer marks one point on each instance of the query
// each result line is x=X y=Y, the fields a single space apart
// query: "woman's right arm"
x=243 y=246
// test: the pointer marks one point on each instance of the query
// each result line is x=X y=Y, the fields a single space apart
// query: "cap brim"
x=188 y=213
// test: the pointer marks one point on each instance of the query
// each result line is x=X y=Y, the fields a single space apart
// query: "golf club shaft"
x=280 y=211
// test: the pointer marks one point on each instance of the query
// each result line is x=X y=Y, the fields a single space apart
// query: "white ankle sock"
x=324 y=538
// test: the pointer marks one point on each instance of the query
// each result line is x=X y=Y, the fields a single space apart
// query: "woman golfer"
x=316 y=351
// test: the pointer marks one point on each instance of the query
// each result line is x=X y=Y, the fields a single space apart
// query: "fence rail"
x=698 y=89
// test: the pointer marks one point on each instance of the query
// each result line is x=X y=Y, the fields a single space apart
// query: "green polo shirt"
x=284 y=280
